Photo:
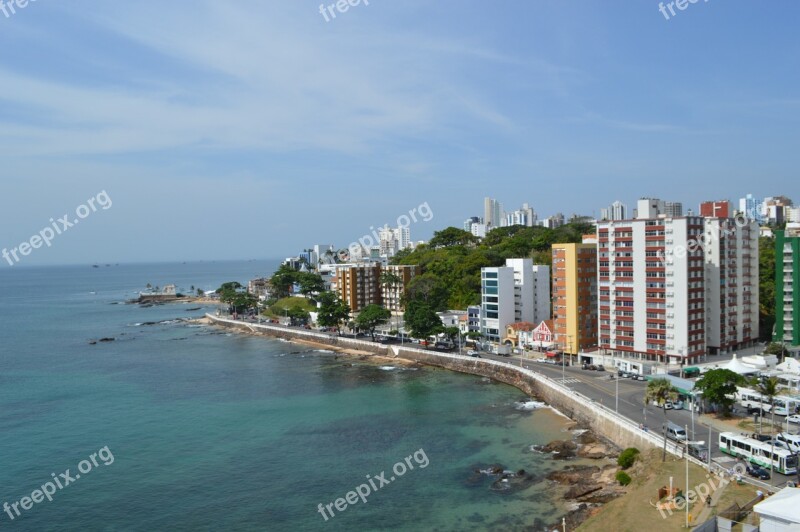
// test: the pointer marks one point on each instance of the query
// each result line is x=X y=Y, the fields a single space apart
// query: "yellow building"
x=575 y=296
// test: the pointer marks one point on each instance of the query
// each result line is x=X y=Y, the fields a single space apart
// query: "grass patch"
x=279 y=308
x=633 y=512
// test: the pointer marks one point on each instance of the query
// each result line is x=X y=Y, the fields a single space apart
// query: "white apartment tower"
x=732 y=298
x=669 y=292
x=492 y=213
x=518 y=291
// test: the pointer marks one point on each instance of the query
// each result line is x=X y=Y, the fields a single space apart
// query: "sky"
x=254 y=129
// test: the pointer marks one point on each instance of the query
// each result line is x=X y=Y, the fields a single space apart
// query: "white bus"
x=784 y=404
x=751 y=399
x=757 y=452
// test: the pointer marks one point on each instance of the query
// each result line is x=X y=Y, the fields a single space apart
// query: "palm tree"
x=660 y=391
x=390 y=280
x=769 y=388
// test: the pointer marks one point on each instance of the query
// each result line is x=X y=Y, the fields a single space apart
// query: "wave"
x=529 y=405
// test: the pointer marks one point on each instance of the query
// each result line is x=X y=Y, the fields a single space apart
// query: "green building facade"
x=787 y=289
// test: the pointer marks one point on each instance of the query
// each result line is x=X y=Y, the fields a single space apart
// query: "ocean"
x=179 y=426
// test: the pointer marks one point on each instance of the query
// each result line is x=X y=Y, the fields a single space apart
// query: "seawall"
x=605 y=422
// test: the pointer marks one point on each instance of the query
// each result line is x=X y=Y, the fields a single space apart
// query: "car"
x=674 y=405
x=623 y=374
x=585 y=366
x=600 y=368
x=473 y=353
x=758 y=472
x=778 y=444
x=794 y=418
x=698 y=451
x=639 y=377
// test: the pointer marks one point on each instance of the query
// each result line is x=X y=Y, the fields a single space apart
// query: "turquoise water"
x=217 y=431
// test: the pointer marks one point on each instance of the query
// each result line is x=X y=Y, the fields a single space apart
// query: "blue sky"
x=247 y=129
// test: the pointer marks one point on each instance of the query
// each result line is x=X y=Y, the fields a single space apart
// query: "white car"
x=794 y=418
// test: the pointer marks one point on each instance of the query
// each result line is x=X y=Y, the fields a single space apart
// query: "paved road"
x=629 y=401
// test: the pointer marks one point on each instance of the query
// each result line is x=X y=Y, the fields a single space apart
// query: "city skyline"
x=263 y=125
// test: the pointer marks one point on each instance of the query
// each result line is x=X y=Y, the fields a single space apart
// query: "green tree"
x=776 y=348
x=452 y=236
x=333 y=312
x=766 y=286
x=228 y=290
x=768 y=388
x=242 y=301
x=452 y=334
x=717 y=385
x=298 y=316
x=310 y=283
x=660 y=391
x=421 y=320
x=282 y=281
x=371 y=317
x=429 y=289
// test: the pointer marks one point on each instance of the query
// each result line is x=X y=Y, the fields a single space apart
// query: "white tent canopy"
x=737 y=367
x=783 y=506
x=790 y=365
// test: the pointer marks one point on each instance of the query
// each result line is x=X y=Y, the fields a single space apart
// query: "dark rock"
x=601 y=497
x=581 y=489
x=571 y=475
x=106 y=339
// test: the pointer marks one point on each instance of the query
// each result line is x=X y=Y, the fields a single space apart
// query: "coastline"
x=594 y=489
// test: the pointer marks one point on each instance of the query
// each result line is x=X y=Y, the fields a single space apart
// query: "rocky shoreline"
x=588 y=487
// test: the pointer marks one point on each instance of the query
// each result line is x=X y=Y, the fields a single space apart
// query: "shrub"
x=627 y=457
x=623 y=478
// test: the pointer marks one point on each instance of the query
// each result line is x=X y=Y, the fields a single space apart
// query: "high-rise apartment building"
x=672 y=288
x=524 y=216
x=731 y=283
x=787 y=287
x=575 y=296
x=516 y=292
x=359 y=285
x=751 y=207
x=617 y=211
x=493 y=215
x=497 y=301
x=673 y=209
x=392 y=293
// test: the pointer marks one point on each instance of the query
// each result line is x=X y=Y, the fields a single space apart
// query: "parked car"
x=600 y=368
x=474 y=353
x=699 y=451
x=674 y=405
x=794 y=418
x=585 y=366
x=638 y=377
x=623 y=374
x=778 y=444
x=758 y=472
